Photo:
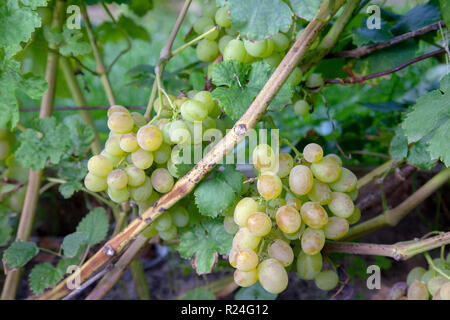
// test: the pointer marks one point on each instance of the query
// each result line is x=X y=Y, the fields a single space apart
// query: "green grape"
x=274 y=59
x=213 y=35
x=312 y=241
x=314 y=215
x=149 y=137
x=244 y=239
x=116 y=108
x=259 y=224
x=169 y=234
x=353 y=194
x=314 y=81
x=269 y=185
x=180 y=216
x=114 y=160
x=179 y=102
x=209 y=9
x=356 y=215
x=179 y=132
x=224 y=41
x=142 y=159
x=139 y=119
x=164 y=222
x=272 y=276
x=120 y=122
x=112 y=146
x=281 y=42
x=288 y=219
x=117 y=179
x=294 y=203
x=276 y=203
x=165 y=129
x=245 y=278
x=223 y=18
x=136 y=176
x=445 y=291
x=326 y=170
x=171 y=167
x=207 y=50
x=208 y=123
x=295 y=77
x=201 y=23
x=427 y=276
x=162 y=180
x=166 y=111
x=285 y=164
x=346 y=182
x=320 y=192
x=270 y=46
x=435 y=284
x=313 y=152
x=142 y=192
x=150 y=232
x=193 y=110
x=230 y=226
x=418 y=291
x=118 y=195
x=341 y=205
x=292 y=236
x=246 y=260
x=128 y=142
x=162 y=155
x=191 y=93
x=336 y=228
x=309 y=266
x=264 y=158
x=281 y=251
x=195 y=131
x=16 y=199
x=95 y=183
x=100 y=166
x=147 y=203
x=255 y=48
x=232 y=256
x=301 y=107
x=326 y=280
x=334 y=157
x=5 y=150
x=244 y=209
x=235 y=50
x=300 y=180
x=205 y=98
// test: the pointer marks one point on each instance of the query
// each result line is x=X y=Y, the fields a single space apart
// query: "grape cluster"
x=139 y=159
x=298 y=206
x=422 y=284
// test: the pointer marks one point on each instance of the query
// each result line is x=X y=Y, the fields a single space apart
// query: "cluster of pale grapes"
x=226 y=41
x=422 y=284
x=297 y=206
x=139 y=161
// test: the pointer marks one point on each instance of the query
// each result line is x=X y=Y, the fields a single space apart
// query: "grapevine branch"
x=187 y=183
x=34 y=177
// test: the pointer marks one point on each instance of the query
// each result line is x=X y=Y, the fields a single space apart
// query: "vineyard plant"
x=229 y=149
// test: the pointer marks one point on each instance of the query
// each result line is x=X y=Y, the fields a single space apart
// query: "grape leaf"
x=429 y=117
x=82 y=135
x=141 y=7
x=5 y=228
x=109 y=31
x=72 y=45
x=445 y=9
x=19 y=253
x=212 y=196
x=94 y=225
x=204 y=243
x=73 y=172
x=42 y=276
x=365 y=36
x=419 y=156
x=258 y=19
x=233 y=178
x=73 y=242
x=418 y=17
x=305 y=9
x=399 y=145
x=199 y=294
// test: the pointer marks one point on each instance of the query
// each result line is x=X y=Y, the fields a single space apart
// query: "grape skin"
x=234 y=50
x=120 y=122
x=288 y=219
x=245 y=278
x=116 y=108
x=341 y=205
x=445 y=291
x=272 y=276
x=415 y=274
x=180 y=216
x=112 y=146
x=244 y=239
x=326 y=170
x=149 y=137
x=314 y=215
x=100 y=166
x=286 y=163
x=356 y=215
x=320 y=192
x=259 y=224
x=308 y=266
x=312 y=241
x=142 y=192
x=300 y=180
x=169 y=234
x=336 y=228
x=136 y=176
x=313 y=152
x=142 y=159
x=128 y=142
x=118 y=195
x=264 y=158
x=223 y=18
x=163 y=223
x=269 y=185
x=244 y=209
x=281 y=251
x=95 y=183
x=346 y=183
x=207 y=50
x=193 y=110
x=301 y=108
x=117 y=179
x=418 y=291
x=246 y=260
x=162 y=180
x=326 y=280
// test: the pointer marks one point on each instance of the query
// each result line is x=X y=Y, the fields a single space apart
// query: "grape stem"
x=432 y=265
x=396 y=251
x=386 y=167
x=193 y=41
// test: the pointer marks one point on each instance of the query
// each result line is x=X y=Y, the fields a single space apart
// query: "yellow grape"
x=272 y=276
x=308 y=266
x=128 y=142
x=346 y=183
x=295 y=203
x=288 y=219
x=246 y=260
x=136 y=176
x=162 y=155
x=139 y=119
x=445 y=291
x=355 y=216
x=100 y=166
x=112 y=146
x=312 y=241
x=233 y=255
x=327 y=170
x=435 y=284
x=314 y=215
x=245 y=278
x=193 y=110
x=281 y=251
x=118 y=195
x=313 y=152
x=335 y=158
x=142 y=159
x=336 y=228
x=326 y=280
x=142 y=192
x=264 y=158
x=269 y=185
x=120 y=122
x=117 y=179
x=206 y=99
x=114 y=159
x=341 y=205
x=95 y=183
x=418 y=291
x=116 y=108
x=149 y=137
x=162 y=180
x=259 y=224
x=285 y=164
x=320 y=192
x=244 y=209
x=244 y=239
x=300 y=180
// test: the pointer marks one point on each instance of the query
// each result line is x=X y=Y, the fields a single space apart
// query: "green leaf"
x=418 y=155
x=418 y=17
x=258 y=19
x=74 y=172
x=305 y=9
x=383 y=262
x=71 y=43
x=141 y=7
x=73 y=243
x=254 y=292
x=234 y=178
x=439 y=143
x=199 y=294
x=5 y=229
x=42 y=276
x=204 y=243
x=19 y=253
x=445 y=9
x=212 y=196
x=399 y=145
x=94 y=225
x=82 y=135
x=364 y=36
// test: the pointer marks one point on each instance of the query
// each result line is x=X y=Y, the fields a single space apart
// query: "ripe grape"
x=235 y=50
x=193 y=110
x=205 y=98
x=300 y=180
x=272 y=276
x=435 y=284
x=326 y=170
x=314 y=81
x=281 y=251
x=269 y=185
x=95 y=183
x=162 y=155
x=308 y=266
x=214 y=34
x=336 y=228
x=445 y=291
x=259 y=224
x=246 y=260
x=341 y=205
x=139 y=119
x=295 y=77
x=230 y=226
x=244 y=239
x=179 y=132
x=285 y=164
x=356 y=215
x=116 y=108
x=112 y=146
x=232 y=256
x=149 y=137
x=415 y=274
x=201 y=23
x=142 y=159
x=346 y=182
x=172 y=169
x=222 y=18
x=136 y=176
x=117 y=179
x=418 y=291
x=255 y=48
x=245 y=278
x=312 y=241
x=162 y=180
x=169 y=234
x=264 y=158
x=120 y=122
x=207 y=50
x=353 y=194
x=114 y=160
x=244 y=209
x=167 y=108
x=209 y=9
x=118 y=195
x=301 y=107
x=128 y=142
x=150 y=231
x=142 y=192
x=274 y=59
x=281 y=42
x=270 y=46
x=163 y=223
x=326 y=280
x=224 y=41
x=180 y=216
x=320 y=192
x=334 y=157
x=100 y=166
x=288 y=219
x=313 y=152
x=294 y=203
x=314 y=215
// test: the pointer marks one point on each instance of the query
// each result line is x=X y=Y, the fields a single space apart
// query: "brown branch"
x=360 y=52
